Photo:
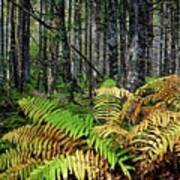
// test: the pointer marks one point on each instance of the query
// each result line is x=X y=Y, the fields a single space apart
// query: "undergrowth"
x=123 y=135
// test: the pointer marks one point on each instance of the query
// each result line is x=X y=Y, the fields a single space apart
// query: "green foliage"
x=10 y=117
x=4 y=146
x=108 y=83
x=78 y=164
x=126 y=130
x=73 y=125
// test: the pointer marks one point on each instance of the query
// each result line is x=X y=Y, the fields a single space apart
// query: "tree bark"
x=112 y=40
x=136 y=52
x=1 y=44
x=64 y=42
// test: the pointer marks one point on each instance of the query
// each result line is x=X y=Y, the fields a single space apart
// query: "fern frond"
x=115 y=156
x=16 y=162
x=74 y=125
x=157 y=85
x=162 y=93
x=36 y=108
x=82 y=165
x=157 y=119
x=107 y=109
x=20 y=171
x=44 y=141
x=132 y=108
x=113 y=91
x=152 y=144
x=108 y=103
x=121 y=136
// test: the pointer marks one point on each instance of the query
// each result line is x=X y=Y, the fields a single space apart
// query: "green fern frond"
x=42 y=110
x=76 y=127
x=115 y=156
x=109 y=83
x=73 y=125
x=81 y=165
x=36 y=108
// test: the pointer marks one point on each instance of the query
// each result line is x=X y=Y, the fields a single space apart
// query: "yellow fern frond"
x=120 y=135
x=45 y=141
x=152 y=144
x=82 y=165
x=113 y=91
x=158 y=119
x=20 y=171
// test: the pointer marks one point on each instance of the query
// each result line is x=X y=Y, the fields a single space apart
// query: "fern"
x=37 y=109
x=61 y=143
x=157 y=119
x=152 y=144
x=79 y=164
x=76 y=127
x=44 y=141
x=108 y=103
x=20 y=171
x=42 y=110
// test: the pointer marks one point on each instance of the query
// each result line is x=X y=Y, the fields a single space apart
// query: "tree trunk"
x=54 y=52
x=13 y=60
x=23 y=41
x=149 y=39
x=90 y=73
x=64 y=41
x=1 y=43
x=123 y=32
x=177 y=35
x=105 y=37
x=112 y=40
x=136 y=54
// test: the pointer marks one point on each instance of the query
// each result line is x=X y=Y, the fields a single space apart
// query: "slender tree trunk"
x=122 y=18
x=173 y=40
x=54 y=52
x=136 y=54
x=24 y=37
x=90 y=73
x=177 y=35
x=149 y=37
x=42 y=62
x=7 y=39
x=40 y=47
x=112 y=40
x=86 y=34
x=80 y=37
x=97 y=31
x=161 y=39
x=166 y=40
x=105 y=37
x=1 y=43
x=13 y=59
x=64 y=41
x=45 y=60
